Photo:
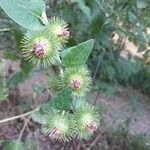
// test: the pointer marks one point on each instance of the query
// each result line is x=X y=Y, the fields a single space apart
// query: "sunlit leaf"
x=13 y=145
x=27 y=13
x=77 y=55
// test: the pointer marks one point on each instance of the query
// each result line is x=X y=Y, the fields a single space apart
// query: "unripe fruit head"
x=40 y=49
x=78 y=78
x=57 y=126
x=59 y=28
x=87 y=120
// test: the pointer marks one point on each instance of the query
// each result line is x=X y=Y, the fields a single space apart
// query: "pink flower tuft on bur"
x=76 y=84
x=55 y=134
x=63 y=33
x=59 y=28
x=38 y=49
x=91 y=127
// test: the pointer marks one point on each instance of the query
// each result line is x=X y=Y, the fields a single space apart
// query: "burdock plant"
x=58 y=126
x=59 y=28
x=78 y=79
x=40 y=48
x=43 y=46
x=87 y=120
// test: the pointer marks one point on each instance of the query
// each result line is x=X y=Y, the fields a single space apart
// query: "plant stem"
x=16 y=117
x=97 y=66
x=23 y=129
x=97 y=95
x=60 y=67
x=5 y=29
x=44 y=18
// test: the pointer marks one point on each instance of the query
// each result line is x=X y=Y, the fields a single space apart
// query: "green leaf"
x=85 y=9
x=69 y=15
x=37 y=116
x=10 y=55
x=62 y=101
x=97 y=23
x=27 y=13
x=16 y=79
x=3 y=93
x=30 y=144
x=3 y=89
x=13 y=145
x=132 y=17
x=97 y=17
x=18 y=33
x=2 y=67
x=25 y=67
x=20 y=76
x=141 y=4
x=1 y=141
x=77 y=55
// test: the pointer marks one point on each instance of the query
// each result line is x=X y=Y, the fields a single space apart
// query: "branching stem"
x=5 y=29
x=17 y=117
x=97 y=66
x=23 y=129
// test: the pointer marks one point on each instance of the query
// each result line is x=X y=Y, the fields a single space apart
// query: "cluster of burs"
x=42 y=48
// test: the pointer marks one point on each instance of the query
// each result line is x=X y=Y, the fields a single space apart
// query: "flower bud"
x=87 y=120
x=57 y=126
x=78 y=78
x=59 y=28
x=40 y=49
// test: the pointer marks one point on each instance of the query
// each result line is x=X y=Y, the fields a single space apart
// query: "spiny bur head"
x=40 y=49
x=54 y=84
x=57 y=126
x=59 y=28
x=78 y=78
x=87 y=121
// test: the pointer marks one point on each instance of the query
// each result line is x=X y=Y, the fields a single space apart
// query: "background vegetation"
x=113 y=24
